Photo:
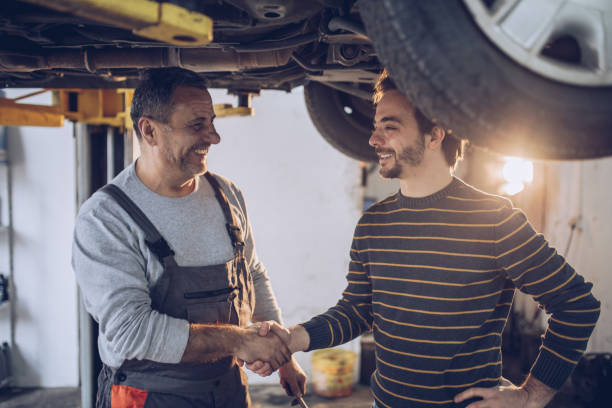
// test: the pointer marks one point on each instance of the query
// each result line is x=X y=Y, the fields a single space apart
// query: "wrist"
x=538 y=393
x=239 y=340
x=300 y=340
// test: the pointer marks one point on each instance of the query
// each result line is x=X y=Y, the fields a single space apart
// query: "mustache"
x=383 y=151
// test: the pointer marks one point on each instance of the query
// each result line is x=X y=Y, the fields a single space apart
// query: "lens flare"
x=516 y=173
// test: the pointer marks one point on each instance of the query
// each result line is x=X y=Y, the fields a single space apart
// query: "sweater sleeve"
x=351 y=316
x=110 y=270
x=539 y=271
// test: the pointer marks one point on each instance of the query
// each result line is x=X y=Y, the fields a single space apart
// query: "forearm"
x=300 y=339
x=209 y=342
x=539 y=394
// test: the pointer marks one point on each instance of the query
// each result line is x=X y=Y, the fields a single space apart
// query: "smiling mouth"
x=382 y=156
x=201 y=150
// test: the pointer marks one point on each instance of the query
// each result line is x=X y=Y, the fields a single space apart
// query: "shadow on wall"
x=15 y=145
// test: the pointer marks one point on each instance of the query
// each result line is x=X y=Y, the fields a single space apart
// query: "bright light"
x=512 y=188
x=516 y=173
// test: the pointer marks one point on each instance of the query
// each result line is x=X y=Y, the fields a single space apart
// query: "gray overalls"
x=221 y=293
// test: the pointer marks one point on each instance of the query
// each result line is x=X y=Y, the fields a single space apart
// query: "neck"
x=425 y=180
x=163 y=182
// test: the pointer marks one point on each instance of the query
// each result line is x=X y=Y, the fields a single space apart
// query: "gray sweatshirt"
x=116 y=270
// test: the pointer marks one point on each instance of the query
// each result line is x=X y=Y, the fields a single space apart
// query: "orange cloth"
x=123 y=396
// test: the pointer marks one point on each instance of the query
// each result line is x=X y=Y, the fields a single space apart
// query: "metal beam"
x=20 y=114
x=92 y=106
x=83 y=184
x=165 y=22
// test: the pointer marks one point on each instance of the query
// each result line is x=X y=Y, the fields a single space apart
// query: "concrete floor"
x=40 y=398
x=262 y=396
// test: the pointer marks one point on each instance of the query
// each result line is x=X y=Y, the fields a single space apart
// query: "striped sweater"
x=434 y=279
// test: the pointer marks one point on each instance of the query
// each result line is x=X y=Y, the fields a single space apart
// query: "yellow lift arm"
x=164 y=22
x=92 y=106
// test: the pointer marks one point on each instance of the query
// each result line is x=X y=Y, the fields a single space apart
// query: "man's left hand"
x=532 y=394
x=496 y=397
x=292 y=378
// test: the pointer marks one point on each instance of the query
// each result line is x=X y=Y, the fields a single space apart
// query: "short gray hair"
x=153 y=96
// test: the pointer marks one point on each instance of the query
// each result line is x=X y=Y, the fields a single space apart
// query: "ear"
x=148 y=129
x=437 y=135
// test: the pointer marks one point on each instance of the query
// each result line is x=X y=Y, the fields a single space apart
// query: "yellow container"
x=333 y=372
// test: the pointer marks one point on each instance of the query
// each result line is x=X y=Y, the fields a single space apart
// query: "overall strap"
x=233 y=227
x=156 y=243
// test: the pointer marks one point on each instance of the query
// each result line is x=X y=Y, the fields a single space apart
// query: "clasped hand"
x=270 y=347
x=292 y=378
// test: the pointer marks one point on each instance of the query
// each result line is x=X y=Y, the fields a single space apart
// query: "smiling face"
x=399 y=143
x=184 y=141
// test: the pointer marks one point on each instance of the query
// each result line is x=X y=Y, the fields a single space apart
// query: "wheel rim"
x=568 y=41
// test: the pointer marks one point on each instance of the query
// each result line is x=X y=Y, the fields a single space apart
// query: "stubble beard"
x=183 y=163
x=411 y=156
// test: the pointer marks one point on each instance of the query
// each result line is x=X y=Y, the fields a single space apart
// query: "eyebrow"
x=390 y=119
x=200 y=119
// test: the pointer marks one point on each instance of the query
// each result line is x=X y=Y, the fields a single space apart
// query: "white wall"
x=46 y=335
x=582 y=189
x=303 y=198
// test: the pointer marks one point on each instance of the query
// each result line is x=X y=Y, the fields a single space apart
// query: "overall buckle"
x=235 y=234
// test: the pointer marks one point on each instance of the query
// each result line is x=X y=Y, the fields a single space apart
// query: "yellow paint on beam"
x=179 y=26
x=21 y=114
x=224 y=110
x=165 y=22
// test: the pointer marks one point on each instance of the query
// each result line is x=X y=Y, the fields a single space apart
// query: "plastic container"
x=333 y=373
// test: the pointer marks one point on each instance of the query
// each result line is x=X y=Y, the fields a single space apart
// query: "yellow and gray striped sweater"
x=434 y=279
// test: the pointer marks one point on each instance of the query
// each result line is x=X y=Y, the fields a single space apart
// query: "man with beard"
x=433 y=270
x=165 y=259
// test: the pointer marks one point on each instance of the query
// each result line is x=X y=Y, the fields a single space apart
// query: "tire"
x=347 y=132
x=442 y=61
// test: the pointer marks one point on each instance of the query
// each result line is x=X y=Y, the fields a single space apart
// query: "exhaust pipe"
x=195 y=59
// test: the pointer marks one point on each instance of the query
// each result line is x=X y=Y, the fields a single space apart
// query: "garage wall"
x=303 y=198
x=580 y=190
x=46 y=336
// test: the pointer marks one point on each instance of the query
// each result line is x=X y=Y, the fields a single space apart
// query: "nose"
x=375 y=139
x=211 y=136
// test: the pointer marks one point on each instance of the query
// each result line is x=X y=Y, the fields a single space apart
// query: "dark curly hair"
x=153 y=96
x=452 y=146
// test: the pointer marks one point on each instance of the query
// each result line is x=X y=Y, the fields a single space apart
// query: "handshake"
x=267 y=347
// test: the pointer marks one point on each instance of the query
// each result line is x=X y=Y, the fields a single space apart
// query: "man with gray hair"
x=165 y=259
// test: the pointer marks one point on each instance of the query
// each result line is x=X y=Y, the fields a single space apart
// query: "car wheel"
x=520 y=77
x=343 y=120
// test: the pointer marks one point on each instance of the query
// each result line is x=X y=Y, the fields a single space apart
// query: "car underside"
x=257 y=45
x=514 y=76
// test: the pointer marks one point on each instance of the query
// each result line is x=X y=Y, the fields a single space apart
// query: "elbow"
x=129 y=333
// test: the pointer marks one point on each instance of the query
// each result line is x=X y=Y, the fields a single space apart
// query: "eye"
x=390 y=128
x=197 y=126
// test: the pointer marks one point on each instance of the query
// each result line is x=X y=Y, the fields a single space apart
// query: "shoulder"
x=102 y=213
x=386 y=204
x=467 y=195
x=227 y=184
x=232 y=191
